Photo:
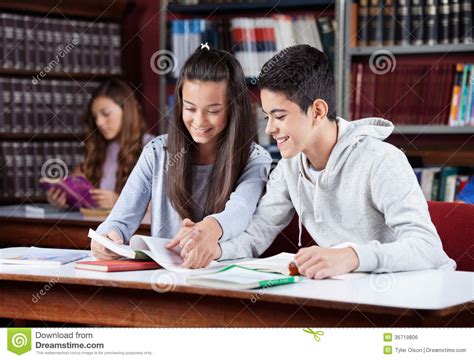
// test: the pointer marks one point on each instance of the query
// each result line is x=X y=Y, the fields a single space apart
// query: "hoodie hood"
x=350 y=133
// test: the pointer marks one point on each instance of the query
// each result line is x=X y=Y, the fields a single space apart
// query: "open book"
x=283 y=263
x=76 y=189
x=147 y=248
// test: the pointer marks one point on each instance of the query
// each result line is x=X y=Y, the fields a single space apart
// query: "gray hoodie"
x=367 y=198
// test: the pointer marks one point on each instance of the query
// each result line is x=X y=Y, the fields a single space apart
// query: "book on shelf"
x=45 y=107
x=22 y=162
x=417 y=94
x=47 y=44
x=252 y=40
x=412 y=22
x=445 y=183
x=40 y=256
x=116 y=265
x=466 y=194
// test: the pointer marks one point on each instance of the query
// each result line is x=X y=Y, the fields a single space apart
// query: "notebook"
x=237 y=277
x=40 y=256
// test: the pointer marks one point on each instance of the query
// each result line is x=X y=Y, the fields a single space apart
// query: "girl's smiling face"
x=205 y=109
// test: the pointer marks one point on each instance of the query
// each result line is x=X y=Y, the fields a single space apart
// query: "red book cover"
x=116 y=265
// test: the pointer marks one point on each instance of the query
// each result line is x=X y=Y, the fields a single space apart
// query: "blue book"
x=467 y=193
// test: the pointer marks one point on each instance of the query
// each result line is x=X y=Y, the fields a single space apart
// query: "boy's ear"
x=319 y=110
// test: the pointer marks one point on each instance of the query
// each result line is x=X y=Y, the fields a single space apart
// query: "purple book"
x=76 y=188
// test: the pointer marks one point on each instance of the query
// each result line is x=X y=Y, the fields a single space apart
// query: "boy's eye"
x=280 y=117
x=266 y=118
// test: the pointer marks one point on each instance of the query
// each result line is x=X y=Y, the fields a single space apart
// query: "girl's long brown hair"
x=233 y=149
x=130 y=137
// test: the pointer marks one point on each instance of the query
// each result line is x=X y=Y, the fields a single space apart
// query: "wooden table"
x=60 y=230
x=158 y=298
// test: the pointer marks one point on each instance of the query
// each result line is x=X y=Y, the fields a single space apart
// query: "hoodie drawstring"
x=300 y=224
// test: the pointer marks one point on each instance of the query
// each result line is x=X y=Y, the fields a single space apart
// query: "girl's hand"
x=101 y=252
x=104 y=199
x=315 y=262
x=56 y=198
x=198 y=242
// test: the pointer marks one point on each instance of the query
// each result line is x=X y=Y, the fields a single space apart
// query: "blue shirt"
x=147 y=182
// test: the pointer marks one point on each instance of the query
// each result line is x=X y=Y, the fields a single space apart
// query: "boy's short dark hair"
x=303 y=74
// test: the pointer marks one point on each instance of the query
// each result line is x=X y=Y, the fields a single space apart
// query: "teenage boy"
x=356 y=195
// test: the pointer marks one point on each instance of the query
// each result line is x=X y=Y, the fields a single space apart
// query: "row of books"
x=412 y=22
x=446 y=183
x=220 y=2
x=39 y=44
x=462 y=101
x=412 y=94
x=252 y=40
x=47 y=107
x=22 y=163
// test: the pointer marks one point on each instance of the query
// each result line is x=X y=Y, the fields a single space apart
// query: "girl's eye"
x=213 y=112
x=187 y=109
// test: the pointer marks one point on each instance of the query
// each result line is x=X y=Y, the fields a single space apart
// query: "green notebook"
x=236 y=277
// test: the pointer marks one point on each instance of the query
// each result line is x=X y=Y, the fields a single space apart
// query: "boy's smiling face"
x=289 y=126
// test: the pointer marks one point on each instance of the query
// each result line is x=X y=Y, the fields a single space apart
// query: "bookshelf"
x=53 y=54
x=227 y=12
x=436 y=143
x=413 y=50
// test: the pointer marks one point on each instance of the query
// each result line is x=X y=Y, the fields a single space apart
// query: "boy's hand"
x=200 y=253
x=315 y=262
x=198 y=242
x=182 y=237
x=102 y=253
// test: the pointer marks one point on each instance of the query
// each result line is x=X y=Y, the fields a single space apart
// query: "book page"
x=277 y=263
x=239 y=275
x=169 y=259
